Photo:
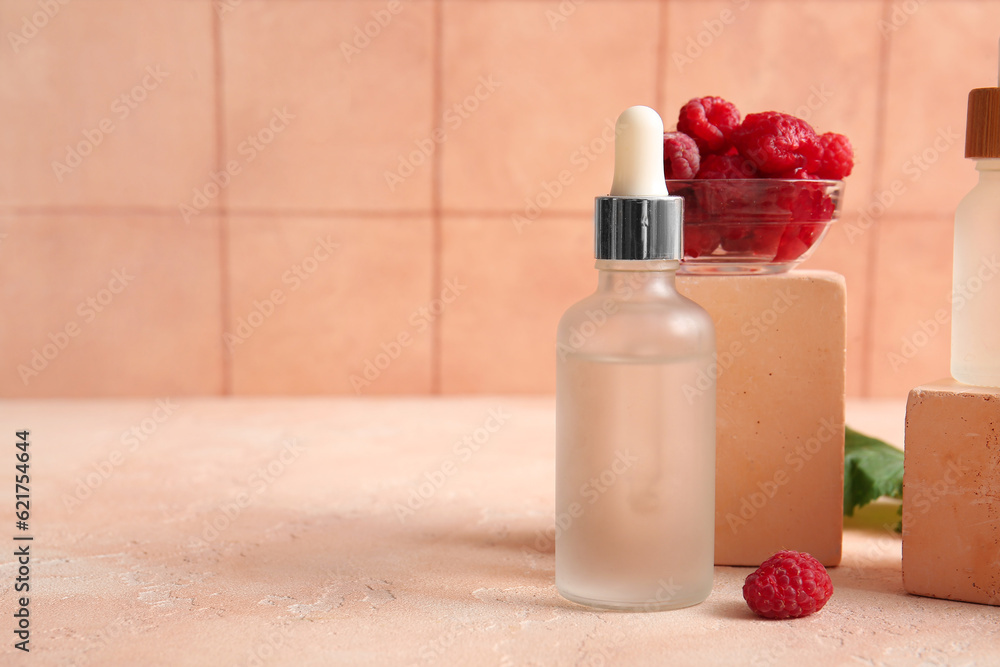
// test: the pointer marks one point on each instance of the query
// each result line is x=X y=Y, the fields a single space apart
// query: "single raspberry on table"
x=778 y=143
x=709 y=121
x=789 y=584
x=681 y=158
x=837 y=160
x=726 y=166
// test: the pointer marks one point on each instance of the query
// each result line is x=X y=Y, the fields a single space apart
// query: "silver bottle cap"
x=638 y=227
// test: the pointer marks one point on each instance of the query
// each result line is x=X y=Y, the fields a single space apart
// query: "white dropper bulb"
x=639 y=154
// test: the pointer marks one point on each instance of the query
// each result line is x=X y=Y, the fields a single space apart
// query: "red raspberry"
x=796 y=239
x=738 y=238
x=792 y=245
x=777 y=143
x=808 y=202
x=700 y=240
x=799 y=174
x=789 y=584
x=810 y=231
x=726 y=166
x=709 y=121
x=680 y=155
x=838 y=156
x=767 y=239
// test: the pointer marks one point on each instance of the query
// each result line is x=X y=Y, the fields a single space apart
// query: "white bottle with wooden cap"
x=975 y=324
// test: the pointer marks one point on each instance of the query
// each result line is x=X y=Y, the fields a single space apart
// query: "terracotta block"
x=780 y=414
x=848 y=255
x=951 y=493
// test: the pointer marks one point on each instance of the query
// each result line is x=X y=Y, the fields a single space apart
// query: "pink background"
x=334 y=112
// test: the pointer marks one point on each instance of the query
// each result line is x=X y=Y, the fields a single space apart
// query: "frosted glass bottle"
x=635 y=434
x=975 y=324
x=975 y=306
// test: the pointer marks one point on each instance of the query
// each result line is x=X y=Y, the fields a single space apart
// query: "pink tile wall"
x=364 y=196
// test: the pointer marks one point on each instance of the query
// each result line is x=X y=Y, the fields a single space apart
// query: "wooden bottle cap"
x=982 y=127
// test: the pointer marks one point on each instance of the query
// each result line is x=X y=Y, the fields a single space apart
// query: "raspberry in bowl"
x=754 y=225
x=759 y=193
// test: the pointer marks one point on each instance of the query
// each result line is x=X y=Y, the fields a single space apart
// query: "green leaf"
x=872 y=469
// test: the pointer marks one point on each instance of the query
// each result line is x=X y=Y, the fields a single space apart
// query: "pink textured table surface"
x=269 y=532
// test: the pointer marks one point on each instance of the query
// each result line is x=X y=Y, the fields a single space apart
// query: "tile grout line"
x=437 y=102
x=944 y=217
x=227 y=366
x=871 y=266
x=171 y=211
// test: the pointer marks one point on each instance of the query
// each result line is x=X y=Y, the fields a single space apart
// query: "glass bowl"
x=754 y=225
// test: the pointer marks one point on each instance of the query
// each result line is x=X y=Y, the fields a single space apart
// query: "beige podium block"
x=951 y=493
x=781 y=365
